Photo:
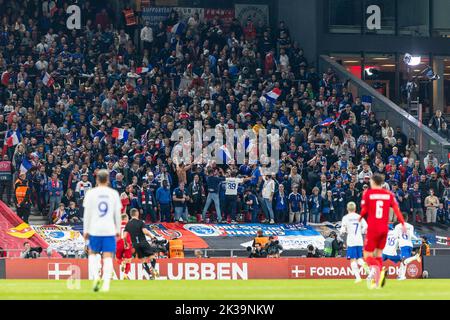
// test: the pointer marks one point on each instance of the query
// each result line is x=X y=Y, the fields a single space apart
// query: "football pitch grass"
x=266 y=290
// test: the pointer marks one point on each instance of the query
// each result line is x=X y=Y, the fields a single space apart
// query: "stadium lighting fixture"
x=412 y=60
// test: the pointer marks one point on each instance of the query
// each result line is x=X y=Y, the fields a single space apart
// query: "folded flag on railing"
x=119 y=133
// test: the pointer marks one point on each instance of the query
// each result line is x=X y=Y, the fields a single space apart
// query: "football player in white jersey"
x=354 y=229
x=390 y=251
x=406 y=247
x=231 y=194
x=102 y=222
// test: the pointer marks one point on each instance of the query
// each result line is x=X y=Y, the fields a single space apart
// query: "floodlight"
x=412 y=60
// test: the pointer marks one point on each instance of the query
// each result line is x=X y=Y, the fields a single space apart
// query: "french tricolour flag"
x=25 y=166
x=327 y=122
x=141 y=70
x=225 y=154
x=272 y=96
x=48 y=80
x=119 y=133
x=12 y=140
x=178 y=28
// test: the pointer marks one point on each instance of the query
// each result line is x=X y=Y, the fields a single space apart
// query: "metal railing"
x=386 y=109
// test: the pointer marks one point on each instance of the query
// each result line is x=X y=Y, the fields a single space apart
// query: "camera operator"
x=313 y=252
x=273 y=248
x=160 y=246
x=260 y=239
x=29 y=252
x=257 y=251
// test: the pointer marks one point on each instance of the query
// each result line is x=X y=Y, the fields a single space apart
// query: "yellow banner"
x=23 y=231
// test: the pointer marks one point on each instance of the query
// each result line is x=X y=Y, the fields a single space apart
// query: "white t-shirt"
x=231 y=186
x=83 y=187
x=354 y=229
x=102 y=209
x=404 y=239
x=268 y=189
x=391 y=244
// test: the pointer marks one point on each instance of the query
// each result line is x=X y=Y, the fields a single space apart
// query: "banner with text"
x=255 y=12
x=246 y=230
x=62 y=239
x=203 y=269
x=155 y=15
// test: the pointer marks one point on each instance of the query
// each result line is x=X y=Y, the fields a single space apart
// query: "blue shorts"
x=406 y=252
x=355 y=252
x=101 y=244
x=395 y=259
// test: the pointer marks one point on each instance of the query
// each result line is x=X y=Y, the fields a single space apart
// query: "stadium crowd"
x=74 y=102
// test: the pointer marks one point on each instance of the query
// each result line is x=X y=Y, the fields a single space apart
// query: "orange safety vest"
x=130 y=18
x=262 y=241
x=21 y=192
x=176 y=248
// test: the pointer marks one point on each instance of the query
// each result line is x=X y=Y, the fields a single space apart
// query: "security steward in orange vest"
x=22 y=197
x=176 y=248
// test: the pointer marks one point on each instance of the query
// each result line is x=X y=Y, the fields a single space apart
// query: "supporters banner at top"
x=156 y=14
x=254 y=11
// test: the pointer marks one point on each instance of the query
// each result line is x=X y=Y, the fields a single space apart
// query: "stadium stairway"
x=8 y=220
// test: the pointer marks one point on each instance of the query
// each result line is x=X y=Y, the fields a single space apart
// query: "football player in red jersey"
x=124 y=251
x=375 y=206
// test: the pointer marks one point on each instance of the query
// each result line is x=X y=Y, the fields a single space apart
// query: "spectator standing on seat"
x=164 y=200
x=147 y=37
x=268 y=192
x=55 y=192
x=417 y=204
x=431 y=205
x=212 y=183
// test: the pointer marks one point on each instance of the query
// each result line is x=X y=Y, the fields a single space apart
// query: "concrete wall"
x=301 y=18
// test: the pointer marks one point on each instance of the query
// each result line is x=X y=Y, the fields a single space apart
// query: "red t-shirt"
x=122 y=228
x=375 y=204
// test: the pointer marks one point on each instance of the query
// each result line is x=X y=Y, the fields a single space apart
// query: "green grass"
x=228 y=290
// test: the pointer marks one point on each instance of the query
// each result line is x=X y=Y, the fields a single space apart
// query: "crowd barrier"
x=200 y=269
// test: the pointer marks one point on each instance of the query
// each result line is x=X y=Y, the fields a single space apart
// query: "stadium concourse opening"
x=221 y=140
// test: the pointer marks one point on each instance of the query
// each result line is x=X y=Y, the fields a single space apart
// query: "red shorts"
x=375 y=239
x=121 y=252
